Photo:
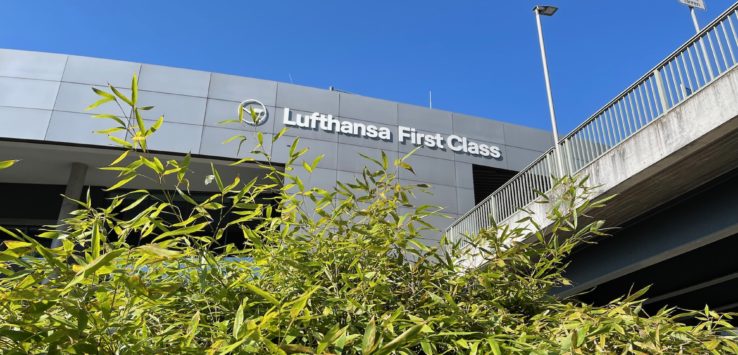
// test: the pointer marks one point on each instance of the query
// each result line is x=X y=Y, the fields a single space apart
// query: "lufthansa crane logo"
x=260 y=113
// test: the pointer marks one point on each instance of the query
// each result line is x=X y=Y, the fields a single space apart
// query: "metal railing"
x=708 y=54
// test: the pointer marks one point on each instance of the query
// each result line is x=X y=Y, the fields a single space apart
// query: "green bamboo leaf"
x=135 y=203
x=120 y=95
x=182 y=231
x=317 y=160
x=112 y=117
x=152 y=249
x=110 y=130
x=307 y=167
x=329 y=338
x=7 y=163
x=263 y=294
x=139 y=120
x=218 y=181
x=192 y=328
x=301 y=302
x=231 y=139
x=368 y=342
x=98 y=103
x=100 y=261
x=96 y=241
x=122 y=182
x=155 y=127
x=400 y=340
x=134 y=90
x=120 y=141
x=16 y=244
x=279 y=134
x=103 y=93
x=426 y=347
x=238 y=321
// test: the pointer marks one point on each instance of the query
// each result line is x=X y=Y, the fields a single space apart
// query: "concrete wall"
x=43 y=97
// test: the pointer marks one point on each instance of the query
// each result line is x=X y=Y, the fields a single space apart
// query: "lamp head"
x=545 y=10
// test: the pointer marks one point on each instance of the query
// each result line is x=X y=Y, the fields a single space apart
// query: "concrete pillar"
x=75 y=185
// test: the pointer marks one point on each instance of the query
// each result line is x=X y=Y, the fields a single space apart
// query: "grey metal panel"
x=444 y=153
x=176 y=137
x=219 y=110
x=431 y=238
x=213 y=138
x=24 y=123
x=32 y=65
x=370 y=142
x=436 y=195
x=76 y=97
x=519 y=158
x=238 y=88
x=347 y=177
x=464 y=175
x=479 y=128
x=278 y=118
x=350 y=160
x=432 y=170
x=175 y=108
x=174 y=80
x=86 y=70
x=322 y=178
x=79 y=128
x=529 y=138
x=465 y=199
x=501 y=162
x=418 y=117
x=368 y=109
x=28 y=93
x=281 y=149
x=307 y=99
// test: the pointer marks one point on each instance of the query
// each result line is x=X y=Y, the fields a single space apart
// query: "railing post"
x=569 y=161
x=493 y=205
x=661 y=90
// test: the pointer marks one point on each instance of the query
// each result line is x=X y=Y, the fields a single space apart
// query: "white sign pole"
x=700 y=4
x=694 y=19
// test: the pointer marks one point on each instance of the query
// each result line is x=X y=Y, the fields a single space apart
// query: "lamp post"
x=700 y=4
x=549 y=11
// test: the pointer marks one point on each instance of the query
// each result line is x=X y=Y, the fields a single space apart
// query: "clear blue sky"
x=478 y=57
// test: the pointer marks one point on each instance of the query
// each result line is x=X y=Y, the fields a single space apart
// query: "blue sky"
x=478 y=57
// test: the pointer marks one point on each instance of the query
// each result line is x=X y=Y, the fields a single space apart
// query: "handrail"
x=682 y=73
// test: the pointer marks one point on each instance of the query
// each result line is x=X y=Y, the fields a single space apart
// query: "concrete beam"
x=75 y=185
x=687 y=147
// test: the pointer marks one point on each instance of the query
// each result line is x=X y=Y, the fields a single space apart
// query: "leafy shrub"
x=339 y=271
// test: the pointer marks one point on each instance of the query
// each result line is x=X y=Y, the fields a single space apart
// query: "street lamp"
x=549 y=11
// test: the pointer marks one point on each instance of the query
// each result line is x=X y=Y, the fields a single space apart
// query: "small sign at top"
x=700 y=4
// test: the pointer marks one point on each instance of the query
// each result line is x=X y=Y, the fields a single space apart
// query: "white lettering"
x=407 y=135
x=452 y=143
x=286 y=120
x=371 y=131
x=347 y=127
x=403 y=133
x=385 y=134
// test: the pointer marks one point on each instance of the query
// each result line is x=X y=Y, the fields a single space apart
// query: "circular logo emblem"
x=260 y=113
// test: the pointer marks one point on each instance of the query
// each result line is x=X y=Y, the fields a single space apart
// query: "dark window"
x=29 y=207
x=488 y=179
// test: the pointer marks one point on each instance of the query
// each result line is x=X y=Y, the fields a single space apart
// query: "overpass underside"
x=676 y=207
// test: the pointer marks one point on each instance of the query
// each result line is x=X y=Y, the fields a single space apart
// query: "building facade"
x=43 y=122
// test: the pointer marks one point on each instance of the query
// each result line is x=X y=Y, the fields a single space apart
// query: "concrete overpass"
x=668 y=147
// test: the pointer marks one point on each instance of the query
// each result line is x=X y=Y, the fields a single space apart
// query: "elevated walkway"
x=670 y=132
